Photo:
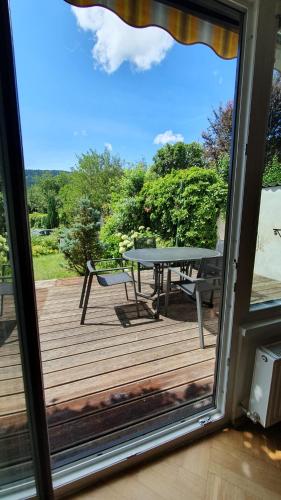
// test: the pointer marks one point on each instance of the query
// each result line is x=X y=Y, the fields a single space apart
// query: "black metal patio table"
x=165 y=256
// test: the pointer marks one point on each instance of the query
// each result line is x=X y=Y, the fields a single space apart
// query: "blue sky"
x=85 y=79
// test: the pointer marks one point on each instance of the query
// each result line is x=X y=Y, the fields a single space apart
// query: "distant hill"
x=32 y=175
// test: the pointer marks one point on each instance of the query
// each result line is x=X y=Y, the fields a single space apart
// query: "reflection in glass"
x=267 y=271
x=15 y=455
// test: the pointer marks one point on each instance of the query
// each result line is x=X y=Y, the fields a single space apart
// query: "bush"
x=45 y=245
x=127 y=240
x=81 y=243
x=272 y=173
x=110 y=239
x=126 y=209
x=184 y=206
x=38 y=220
x=3 y=250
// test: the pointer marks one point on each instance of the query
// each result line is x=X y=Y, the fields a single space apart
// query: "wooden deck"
x=114 y=377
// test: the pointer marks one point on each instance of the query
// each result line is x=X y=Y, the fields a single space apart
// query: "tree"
x=52 y=219
x=217 y=137
x=95 y=176
x=177 y=157
x=273 y=140
x=125 y=211
x=46 y=186
x=81 y=242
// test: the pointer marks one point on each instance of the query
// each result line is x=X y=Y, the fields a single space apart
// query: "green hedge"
x=38 y=220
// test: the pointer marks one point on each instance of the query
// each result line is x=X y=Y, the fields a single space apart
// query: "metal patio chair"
x=206 y=283
x=118 y=275
x=195 y=265
x=144 y=242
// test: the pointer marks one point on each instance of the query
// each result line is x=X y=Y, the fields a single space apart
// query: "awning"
x=187 y=27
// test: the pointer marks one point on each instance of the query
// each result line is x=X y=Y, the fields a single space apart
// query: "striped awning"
x=186 y=27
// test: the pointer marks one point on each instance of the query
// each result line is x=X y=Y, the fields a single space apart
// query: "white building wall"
x=268 y=252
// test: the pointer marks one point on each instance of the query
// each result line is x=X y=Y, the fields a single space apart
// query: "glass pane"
x=16 y=468
x=118 y=375
x=266 y=285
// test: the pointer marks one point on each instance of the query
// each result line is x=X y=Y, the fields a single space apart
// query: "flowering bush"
x=127 y=240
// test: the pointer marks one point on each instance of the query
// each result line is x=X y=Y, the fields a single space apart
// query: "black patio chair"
x=206 y=283
x=106 y=277
x=144 y=242
x=195 y=265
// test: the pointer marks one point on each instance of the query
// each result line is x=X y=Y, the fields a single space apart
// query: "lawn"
x=48 y=267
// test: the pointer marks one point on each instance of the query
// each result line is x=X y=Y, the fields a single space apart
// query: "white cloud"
x=168 y=136
x=108 y=146
x=218 y=77
x=80 y=133
x=115 y=42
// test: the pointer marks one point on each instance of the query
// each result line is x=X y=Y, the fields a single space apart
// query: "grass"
x=48 y=267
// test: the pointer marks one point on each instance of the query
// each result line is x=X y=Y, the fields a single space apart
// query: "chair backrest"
x=210 y=267
x=145 y=242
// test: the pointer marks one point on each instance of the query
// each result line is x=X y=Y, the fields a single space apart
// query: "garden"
x=103 y=204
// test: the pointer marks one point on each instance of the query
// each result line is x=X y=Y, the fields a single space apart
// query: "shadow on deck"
x=115 y=377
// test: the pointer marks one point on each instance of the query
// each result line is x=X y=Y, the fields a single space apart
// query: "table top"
x=172 y=254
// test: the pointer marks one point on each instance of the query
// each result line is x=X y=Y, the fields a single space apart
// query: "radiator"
x=265 y=396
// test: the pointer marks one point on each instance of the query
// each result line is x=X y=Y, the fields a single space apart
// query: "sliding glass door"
x=119 y=380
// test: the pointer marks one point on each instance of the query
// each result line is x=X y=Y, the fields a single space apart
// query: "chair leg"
x=200 y=318
x=162 y=277
x=139 y=278
x=126 y=290
x=86 y=299
x=135 y=292
x=168 y=289
x=84 y=288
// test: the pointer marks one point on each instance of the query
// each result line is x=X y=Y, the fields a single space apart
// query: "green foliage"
x=95 y=177
x=126 y=208
x=222 y=166
x=2 y=213
x=52 y=213
x=81 y=243
x=47 y=187
x=38 y=220
x=45 y=245
x=184 y=206
x=110 y=238
x=3 y=250
x=272 y=173
x=178 y=156
x=132 y=181
x=32 y=175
